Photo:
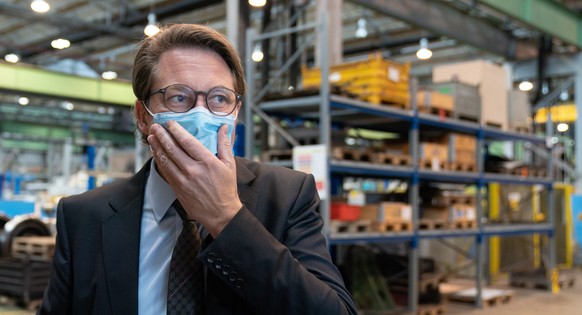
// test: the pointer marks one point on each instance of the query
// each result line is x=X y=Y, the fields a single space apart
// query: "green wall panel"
x=27 y=79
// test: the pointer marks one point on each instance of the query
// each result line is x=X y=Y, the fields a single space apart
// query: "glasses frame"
x=238 y=98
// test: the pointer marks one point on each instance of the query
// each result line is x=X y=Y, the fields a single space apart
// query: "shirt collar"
x=159 y=195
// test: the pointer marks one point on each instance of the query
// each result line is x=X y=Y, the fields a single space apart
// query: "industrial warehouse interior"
x=441 y=134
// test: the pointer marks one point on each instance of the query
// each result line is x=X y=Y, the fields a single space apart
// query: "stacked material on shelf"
x=39 y=248
x=375 y=80
x=448 y=209
x=388 y=216
x=433 y=156
x=491 y=80
x=466 y=102
x=462 y=152
x=434 y=102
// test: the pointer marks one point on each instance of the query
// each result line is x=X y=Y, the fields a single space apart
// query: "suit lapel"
x=121 y=241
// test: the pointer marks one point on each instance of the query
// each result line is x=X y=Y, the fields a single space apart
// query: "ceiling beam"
x=548 y=16
x=443 y=19
x=70 y=23
x=80 y=31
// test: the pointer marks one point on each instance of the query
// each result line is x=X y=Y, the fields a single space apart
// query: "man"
x=262 y=251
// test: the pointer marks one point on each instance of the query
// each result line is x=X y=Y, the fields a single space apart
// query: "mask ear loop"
x=146 y=108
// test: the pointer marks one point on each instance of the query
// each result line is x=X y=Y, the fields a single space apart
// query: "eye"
x=178 y=97
x=219 y=98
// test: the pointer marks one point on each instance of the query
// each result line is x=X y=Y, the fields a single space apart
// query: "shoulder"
x=264 y=171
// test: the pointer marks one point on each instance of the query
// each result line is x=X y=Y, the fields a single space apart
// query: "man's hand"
x=204 y=185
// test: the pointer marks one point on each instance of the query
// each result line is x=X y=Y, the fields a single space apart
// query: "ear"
x=237 y=109
x=142 y=118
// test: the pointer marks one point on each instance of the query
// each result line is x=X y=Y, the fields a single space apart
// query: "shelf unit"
x=326 y=109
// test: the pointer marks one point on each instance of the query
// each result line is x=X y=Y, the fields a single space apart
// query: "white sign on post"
x=312 y=159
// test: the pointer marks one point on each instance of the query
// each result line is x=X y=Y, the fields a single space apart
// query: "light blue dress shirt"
x=160 y=228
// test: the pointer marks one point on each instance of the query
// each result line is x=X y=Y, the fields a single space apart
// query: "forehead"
x=199 y=68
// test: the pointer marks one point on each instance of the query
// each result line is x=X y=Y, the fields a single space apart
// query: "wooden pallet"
x=347 y=227
x=462 y=166
x=431 y=309
x=393 y=159
x=432 y=224
x=400 y=226
x=493 y=124
x=435 y=165
x=38 y=248
x=441 y=112
x=340 y=153
x=531 y=282
x=525 y=129
x=490 y=297
x=456 y=200
x=463 y=225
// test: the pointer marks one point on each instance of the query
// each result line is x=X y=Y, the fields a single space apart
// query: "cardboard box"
x=387 y=212
x=434 y=100
x=433 y=151
x=463 y=212
x=492 y=81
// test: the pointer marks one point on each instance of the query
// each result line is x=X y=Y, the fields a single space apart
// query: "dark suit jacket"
x=270 y=259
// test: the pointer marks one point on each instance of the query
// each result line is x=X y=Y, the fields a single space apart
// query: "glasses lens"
x=179 y=98
x=221 y=101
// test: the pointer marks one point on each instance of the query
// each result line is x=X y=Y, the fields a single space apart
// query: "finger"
x=224 y=149
x=164 y=161
x=188 y=143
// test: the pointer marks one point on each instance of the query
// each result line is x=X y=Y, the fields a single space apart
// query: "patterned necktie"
x=186 y=280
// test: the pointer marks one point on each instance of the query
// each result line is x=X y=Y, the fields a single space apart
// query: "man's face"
x=199 y=69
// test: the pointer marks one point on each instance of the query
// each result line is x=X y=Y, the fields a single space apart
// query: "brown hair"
x=182 y=36
x=147 y=59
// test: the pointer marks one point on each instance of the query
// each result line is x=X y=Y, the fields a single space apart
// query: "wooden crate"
x=39 y=248
x=433 y=151
x=434 y=100
x=387 y=211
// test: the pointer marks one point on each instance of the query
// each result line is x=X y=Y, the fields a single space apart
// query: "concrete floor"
x=530 y=302
x=523 y=302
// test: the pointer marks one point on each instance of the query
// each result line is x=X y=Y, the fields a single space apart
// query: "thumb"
x=224 y=150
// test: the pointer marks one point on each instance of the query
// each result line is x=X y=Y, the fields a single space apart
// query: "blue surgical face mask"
x=200 y=123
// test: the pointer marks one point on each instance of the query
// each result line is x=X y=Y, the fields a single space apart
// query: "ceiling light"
x=23 y=101
x=12 y=58
x=60 y=43
x=257 y=55
x=151 y=29
x=258 y=3
x=361 y=32
x=40 y=6
x=562 y=127
x=423 y=53
x=68 y=105
x=525 y=86
x=109 y=75
x=564 y=95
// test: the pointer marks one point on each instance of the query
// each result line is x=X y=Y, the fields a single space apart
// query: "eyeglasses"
x=181 y=98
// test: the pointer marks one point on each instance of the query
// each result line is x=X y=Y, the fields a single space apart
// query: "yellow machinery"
x=504 y=252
